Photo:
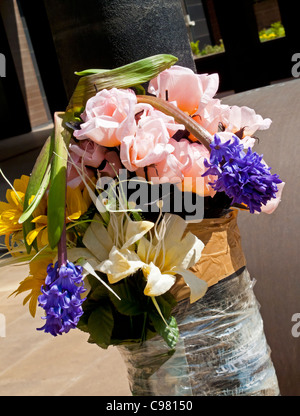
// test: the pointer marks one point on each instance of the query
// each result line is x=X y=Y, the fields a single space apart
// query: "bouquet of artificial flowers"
x=140 y=152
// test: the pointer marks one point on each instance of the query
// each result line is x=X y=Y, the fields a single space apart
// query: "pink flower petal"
x=149 y=146
x=189 y=90
x=108 y=117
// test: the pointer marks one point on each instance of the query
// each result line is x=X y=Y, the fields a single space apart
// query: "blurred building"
x=202 y=21
x=22 y=97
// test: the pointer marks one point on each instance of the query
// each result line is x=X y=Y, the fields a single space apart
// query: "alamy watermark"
x=2 y=326
x=2 y=65
x=147 y=196
x=296 y=327
x=296 y=66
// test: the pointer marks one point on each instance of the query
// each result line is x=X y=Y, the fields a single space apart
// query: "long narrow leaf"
x=167 y=330
x=34 y=184
x=27 y=213
x=57 y=191
x=90 y=72
x=123 y=77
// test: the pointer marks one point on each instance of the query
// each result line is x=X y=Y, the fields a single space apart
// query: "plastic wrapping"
x=222 y=350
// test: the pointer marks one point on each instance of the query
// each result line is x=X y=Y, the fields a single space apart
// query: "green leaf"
x=83 y=323
x=87 y=266
x=57 y=191
x=90 y=72
x=139 y=89
x=125 y=76
x=100 y=325
x=94 y=282
x=131 y=302
x=35 y=181
x=98 y=291
x=169 y=332
x=44 y=185
x=166 y=303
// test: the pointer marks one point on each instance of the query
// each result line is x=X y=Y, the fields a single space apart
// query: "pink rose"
x=211 y=115
x=143 y=110
x=192 y=172
x=184 y=167
x=86 y=155
x=170 y=169
x=91 y=153
x=148 y=146
x=245 y=118
x=241 y=120
x=108 y=117
x=190 y=91
x=112 y=165
x=74 y=180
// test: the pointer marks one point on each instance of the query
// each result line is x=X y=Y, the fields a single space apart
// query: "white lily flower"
x=165 y=252
x=157 y=283
x=110 y=246
x=121 y=232
x=120 y=264
x=171 y=253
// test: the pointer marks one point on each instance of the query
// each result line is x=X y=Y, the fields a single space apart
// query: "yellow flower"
x=77 y=202
x=11 y=210
x=34 y=282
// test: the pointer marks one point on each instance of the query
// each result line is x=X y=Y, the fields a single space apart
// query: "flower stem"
x=202 y=135
x=62 y=248
x=62 y=255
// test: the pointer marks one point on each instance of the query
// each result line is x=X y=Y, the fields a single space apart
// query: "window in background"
x=268 y=20
x=203 y=27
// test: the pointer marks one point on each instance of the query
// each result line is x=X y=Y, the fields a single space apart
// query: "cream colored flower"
x=160 y=250
x=111 y=250
x=171 y=253
x=120 y=264
x=157 y=283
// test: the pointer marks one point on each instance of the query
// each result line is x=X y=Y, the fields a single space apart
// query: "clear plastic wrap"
x=222 y=350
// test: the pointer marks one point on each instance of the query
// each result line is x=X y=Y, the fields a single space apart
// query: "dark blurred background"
x=45 y=41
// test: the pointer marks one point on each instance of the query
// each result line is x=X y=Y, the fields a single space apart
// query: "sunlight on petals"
x=120 y=264
x=157 y=283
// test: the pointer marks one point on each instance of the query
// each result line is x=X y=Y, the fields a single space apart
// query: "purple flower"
x=242 y=176
x=61 y=298
x=227 y=150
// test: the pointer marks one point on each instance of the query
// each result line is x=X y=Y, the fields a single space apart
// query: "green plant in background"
x=276 y=30
x=213 y=49
x=195 y=48
x=207 y=50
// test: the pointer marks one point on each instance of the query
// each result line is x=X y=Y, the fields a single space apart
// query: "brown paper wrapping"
x=222 y=254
